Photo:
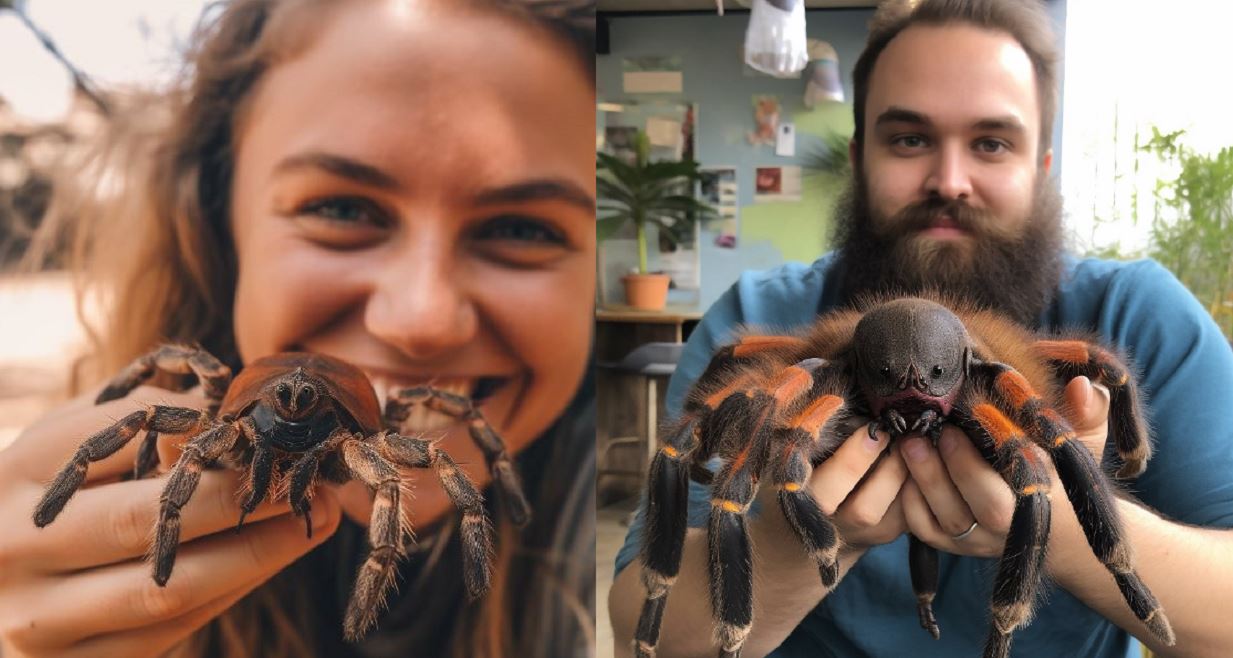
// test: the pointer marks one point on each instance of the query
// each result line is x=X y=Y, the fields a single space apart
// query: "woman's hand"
x=80 y=585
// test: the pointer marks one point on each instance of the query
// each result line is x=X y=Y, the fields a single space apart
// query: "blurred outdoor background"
x=47 y=119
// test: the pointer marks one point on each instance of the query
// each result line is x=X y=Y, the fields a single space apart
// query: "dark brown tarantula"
x=286 y=421
x=773 y=406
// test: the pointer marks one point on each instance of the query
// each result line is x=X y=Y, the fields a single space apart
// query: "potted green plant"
x=645 y=192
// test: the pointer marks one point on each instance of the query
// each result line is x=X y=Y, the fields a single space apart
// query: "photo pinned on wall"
x=775 y=184
x=652 y=74
x=620 y=142
x=766 y=120
x=717 y=186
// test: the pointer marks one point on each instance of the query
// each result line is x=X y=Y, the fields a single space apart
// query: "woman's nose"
x=422 y=306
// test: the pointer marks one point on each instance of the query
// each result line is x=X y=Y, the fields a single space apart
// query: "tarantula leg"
x=1127 y=426
x=1086 y=487
x=923 y=567
x=1092 y=499
x=147 y=456
x=812 y=527
x=1021 y=567
x=177 y=359
x=376 y=575
x=179 y=489
x=73 y=473
x=476 y=529
x=808 y=430
x=666 y=521
x=304 y=472
x=104 y=444
x=259 y=473
x=457 y=406
x=731 y=564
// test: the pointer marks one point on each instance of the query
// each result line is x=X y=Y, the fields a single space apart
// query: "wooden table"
x=619 y=329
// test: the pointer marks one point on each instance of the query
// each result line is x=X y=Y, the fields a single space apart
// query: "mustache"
x=924 y=214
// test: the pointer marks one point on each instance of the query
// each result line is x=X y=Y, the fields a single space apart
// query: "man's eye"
x=519 y=229
x=909 y=141
x=348 y=210
x=991 y=146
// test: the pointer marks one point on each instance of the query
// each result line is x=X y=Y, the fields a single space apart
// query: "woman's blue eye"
x=519 y=229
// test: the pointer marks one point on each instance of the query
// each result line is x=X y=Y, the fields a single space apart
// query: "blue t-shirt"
x=1186 y=371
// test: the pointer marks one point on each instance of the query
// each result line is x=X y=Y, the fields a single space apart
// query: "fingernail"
x=873 y=444
x=915 y=450
x=1087 y=392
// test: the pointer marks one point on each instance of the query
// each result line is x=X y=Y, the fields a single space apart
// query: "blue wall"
x=715 y=79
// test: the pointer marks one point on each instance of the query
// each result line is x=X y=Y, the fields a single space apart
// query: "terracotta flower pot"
x=646 y=291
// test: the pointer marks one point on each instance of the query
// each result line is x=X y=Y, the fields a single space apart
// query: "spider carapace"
x=770 y=407
x=288 y=421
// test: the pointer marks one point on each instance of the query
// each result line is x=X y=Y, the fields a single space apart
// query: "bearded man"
x=954 y=106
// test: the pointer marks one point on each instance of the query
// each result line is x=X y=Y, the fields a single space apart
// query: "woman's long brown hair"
x=142 y=226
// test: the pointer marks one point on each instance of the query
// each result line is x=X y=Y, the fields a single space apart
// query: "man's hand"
x=952 y=485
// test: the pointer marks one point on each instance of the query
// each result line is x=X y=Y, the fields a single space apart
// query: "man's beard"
x=1015 y=274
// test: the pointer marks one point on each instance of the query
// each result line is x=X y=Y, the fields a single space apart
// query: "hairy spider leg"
x=215 y=378
x=261 y=471
x=399 y=406
x=304 y=472
x=1127 y=426
x=376 y=575
x=1086 y=487
x=1007 y=447
x=808 y=437
x=675 y=463
x=176 y=359
x=476 y=528
x=185 y=475
x=923 y=569
x=105 y=443
x=745 y=446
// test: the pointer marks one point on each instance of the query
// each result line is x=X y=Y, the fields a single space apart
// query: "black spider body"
x=771 y=407
x=909 y=356
x=286 y=422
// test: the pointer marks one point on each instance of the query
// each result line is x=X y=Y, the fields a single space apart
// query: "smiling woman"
x=405 y=185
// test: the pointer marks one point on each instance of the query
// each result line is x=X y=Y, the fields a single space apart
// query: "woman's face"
x=414 y=193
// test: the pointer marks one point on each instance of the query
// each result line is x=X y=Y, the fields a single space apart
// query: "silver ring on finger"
x=965 y=533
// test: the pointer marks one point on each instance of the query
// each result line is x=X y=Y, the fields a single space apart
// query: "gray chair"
x=649 y=362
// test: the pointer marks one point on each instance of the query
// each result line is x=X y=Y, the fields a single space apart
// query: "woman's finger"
x=835 y=478
x=206 y=570
x=46 y=446
x=116 y=522
x=933 y=480
x=156 y=639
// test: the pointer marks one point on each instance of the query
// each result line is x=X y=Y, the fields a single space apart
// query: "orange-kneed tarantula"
x=286 y=421
x=773 y=406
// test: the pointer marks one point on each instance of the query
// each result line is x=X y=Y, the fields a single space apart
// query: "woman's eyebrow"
x=339 y=166
x=538 y=190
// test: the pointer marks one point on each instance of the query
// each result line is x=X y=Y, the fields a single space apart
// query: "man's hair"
x=1024 y=20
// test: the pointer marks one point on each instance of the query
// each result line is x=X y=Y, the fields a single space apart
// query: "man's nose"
x=951 y=176
x=422 y=306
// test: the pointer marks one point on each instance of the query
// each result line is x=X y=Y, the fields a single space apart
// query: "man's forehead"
x=954 y=74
